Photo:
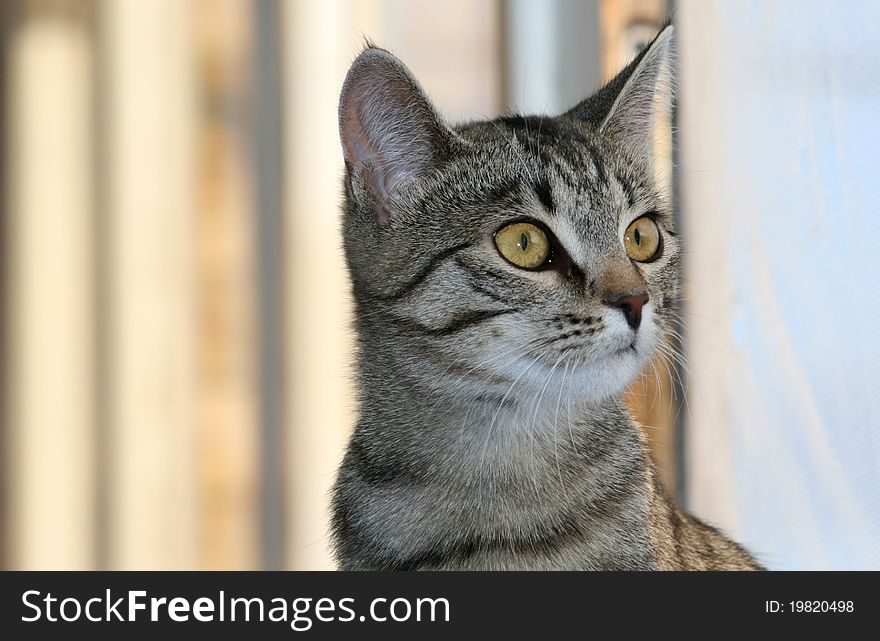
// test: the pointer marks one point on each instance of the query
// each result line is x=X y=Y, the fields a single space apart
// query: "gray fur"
x=490 y=431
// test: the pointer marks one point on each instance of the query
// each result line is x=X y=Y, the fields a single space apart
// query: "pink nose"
x=631 y=306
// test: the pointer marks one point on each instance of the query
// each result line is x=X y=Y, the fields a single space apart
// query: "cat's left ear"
x=390 y=131
x=626 y=107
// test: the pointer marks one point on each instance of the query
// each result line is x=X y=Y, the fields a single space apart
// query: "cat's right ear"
x=625 y=108
x=390 y=131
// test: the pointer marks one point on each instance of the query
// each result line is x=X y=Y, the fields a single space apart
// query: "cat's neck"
x=432 y=466
x=471 y=424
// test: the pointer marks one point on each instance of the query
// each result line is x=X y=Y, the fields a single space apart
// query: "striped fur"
x=490 y=431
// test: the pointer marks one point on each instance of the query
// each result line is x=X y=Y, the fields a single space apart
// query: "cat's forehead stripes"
x=560 y=149
x=545 y=195
x=568 y=180
x=526 y=132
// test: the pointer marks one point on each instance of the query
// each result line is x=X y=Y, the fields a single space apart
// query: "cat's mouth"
x=626 y=354
x=620 y=348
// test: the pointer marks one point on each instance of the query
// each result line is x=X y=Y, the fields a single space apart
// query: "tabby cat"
x=511 y=277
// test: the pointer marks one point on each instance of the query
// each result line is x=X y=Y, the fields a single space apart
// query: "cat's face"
x=523 y=253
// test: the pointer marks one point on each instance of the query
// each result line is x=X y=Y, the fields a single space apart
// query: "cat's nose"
x=631 y=306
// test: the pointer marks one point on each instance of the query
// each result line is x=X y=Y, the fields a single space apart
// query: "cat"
x=511 y=277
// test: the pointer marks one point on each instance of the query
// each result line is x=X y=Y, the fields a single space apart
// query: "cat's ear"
x=390 y=131
x=626 y=107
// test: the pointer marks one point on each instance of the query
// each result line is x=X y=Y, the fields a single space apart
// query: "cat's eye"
x=642 y=239
x=523 y=244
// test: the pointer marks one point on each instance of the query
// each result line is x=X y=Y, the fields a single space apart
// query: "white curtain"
x=779 y=135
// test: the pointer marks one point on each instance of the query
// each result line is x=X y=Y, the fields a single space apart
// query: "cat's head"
x=491 y=254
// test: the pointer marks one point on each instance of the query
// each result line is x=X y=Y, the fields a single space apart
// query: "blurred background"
x=174 y=311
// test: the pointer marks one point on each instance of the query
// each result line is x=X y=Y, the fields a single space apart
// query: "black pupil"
x=523 y=241
x=637 y=236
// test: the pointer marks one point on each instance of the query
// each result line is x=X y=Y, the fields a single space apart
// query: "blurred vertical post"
x=712 y=356
x=266 y=154
x=552 y=53
x=226 y=430
x=5 y=415
x=48 y=259
x=316 y=299
x=149 y=204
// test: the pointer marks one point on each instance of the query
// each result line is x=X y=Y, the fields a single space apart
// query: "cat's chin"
x=607 y=375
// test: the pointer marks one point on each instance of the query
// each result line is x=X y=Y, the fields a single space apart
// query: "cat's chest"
x=595 y=552
x=439 y=528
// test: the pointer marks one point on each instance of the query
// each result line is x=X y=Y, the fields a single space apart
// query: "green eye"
x=523 y=244
x=642 y=239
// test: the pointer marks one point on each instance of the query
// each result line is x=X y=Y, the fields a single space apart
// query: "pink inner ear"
x=632 y=115
x=363 y=157
x=355 y=145
x=367 y=126
x=388 y=127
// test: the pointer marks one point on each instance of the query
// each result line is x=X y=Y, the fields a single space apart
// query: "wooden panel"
x=48 y=255
x=226 y=430
x=5 y=416
x=149 y=211
x=626 y=25
x=319 y=414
